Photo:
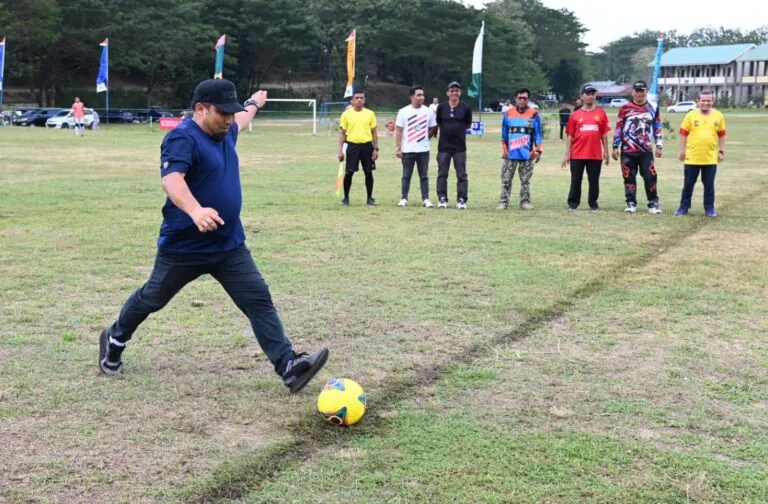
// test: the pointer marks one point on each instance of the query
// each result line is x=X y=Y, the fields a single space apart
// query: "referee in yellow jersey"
x=358 y=130
x=702 y=147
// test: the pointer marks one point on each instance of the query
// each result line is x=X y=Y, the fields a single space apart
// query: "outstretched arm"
x=243 y=118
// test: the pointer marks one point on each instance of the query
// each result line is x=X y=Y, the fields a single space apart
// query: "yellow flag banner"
x=350 y=63
x=339 y=179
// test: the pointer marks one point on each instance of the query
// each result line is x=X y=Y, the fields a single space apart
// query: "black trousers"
x=643 y=163
x=444 y=167
x=593 y=167
x=691 y=173
x=421 y=160
x=235 y=270
x=562 y=128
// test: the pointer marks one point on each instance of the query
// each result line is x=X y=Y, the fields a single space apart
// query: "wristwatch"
x=251 y=101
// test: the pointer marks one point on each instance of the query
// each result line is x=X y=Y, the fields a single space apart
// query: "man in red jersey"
x=586 y=148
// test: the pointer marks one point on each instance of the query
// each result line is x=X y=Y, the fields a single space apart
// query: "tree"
x=565 y=79
x=263 y=35
x=158 y=40
x=558 y=45
x=32 y=29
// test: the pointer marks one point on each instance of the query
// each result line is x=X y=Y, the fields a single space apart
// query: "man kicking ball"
x=202 y=234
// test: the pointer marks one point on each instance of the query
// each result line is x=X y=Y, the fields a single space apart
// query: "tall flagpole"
x=653 y=95
x=218 y=70
x=2 y=67
x=351 y=42
x=106 y=50
x=476 y=88
x=102 y=80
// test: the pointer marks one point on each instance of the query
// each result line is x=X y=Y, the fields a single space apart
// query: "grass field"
x=508 y=357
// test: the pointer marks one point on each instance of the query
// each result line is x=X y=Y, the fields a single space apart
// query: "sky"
x=604 y=19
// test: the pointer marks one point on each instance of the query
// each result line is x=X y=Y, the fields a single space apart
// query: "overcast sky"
x=604 y=20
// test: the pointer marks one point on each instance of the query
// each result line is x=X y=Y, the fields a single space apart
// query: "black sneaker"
x=302 y=368
x=344 y=202
x=109 y=356
x=372 y=202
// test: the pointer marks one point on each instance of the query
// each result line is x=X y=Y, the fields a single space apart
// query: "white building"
x=753 y=69
x=735 y=72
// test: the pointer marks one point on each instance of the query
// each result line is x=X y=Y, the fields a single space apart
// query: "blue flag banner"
x=2 y=63
x=653 y=93
x=102 y=80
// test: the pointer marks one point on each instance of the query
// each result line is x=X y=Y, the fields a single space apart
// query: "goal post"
x=311 y=102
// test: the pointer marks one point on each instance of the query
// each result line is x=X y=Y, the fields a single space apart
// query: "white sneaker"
x=631 y=208
x=403 y=202
x=428 y=203
x=461 y=205
x=655 y=210
x=442 y=204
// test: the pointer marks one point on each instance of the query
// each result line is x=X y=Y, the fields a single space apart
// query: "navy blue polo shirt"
x=212 y=172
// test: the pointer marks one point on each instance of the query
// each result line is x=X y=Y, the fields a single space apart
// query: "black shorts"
x=358 y=154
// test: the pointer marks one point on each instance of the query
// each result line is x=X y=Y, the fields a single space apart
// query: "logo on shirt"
x=518 y=142
x=590 y=127
x=165 y=165
x=416 y=129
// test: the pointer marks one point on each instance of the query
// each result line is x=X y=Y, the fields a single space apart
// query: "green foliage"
x=165 y=47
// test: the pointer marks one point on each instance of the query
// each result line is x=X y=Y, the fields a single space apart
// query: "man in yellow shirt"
x=702 y=146
x=358 y=130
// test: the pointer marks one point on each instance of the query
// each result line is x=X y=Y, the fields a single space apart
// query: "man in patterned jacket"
x=638 y=130
x=521 y=144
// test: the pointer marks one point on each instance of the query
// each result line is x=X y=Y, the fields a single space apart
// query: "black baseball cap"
x=219 y=92
x=453 y=84
x=640 y=85
x=588 y=88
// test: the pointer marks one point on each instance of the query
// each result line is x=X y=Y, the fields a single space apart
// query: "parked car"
x=59 y=120
x=119 y=116
x=21 y=116
x=683 y=106
x=154 y=114
x=618 y=102
x=37 y=118
x=65 y=119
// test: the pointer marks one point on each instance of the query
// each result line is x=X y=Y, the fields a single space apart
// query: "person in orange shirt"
x=78 y=112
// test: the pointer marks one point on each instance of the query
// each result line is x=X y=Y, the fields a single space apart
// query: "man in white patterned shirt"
x=414 y=126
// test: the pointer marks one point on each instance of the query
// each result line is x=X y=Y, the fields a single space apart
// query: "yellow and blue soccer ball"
x=341 y=402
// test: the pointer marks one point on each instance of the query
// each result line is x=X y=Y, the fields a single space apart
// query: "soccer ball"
x=341 y=402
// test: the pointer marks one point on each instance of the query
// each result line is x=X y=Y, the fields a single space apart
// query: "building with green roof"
x=735 y=72
x=753 y=68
